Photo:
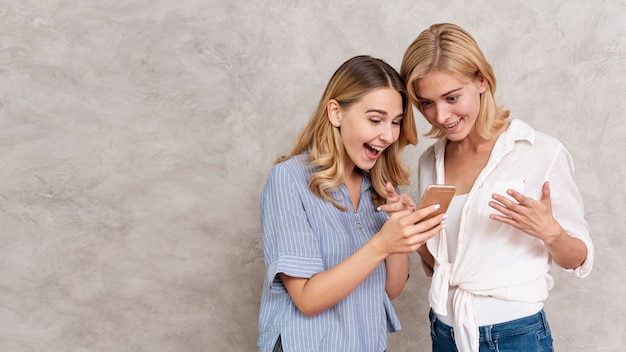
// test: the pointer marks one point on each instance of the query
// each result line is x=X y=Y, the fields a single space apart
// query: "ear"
x=334 y=112
x=482 y=83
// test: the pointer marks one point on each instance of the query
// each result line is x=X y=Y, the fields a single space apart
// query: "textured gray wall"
x=136 y=136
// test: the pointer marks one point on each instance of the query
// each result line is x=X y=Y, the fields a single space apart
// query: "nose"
x=386 y=135
x=442 y=114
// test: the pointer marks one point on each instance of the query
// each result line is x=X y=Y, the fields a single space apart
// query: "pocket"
x=488 y=189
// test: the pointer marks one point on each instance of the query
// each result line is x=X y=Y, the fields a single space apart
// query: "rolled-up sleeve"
x=291 y=246
x=295 y=267
x=568 y=208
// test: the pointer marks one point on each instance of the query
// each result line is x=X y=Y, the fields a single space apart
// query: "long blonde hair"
x=352 y=80
x=447 y=48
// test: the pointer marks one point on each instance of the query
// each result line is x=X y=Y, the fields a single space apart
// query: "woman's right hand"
x=405 y=233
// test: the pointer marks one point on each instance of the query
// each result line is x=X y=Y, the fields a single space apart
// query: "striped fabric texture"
x=304 y=235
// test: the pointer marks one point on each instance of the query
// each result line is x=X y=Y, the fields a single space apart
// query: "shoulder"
x=427 y=158
x=297 y=166
x=429 y=155
x=542 y=146
x=548 y=141
x=523 y=131
x=288 y=176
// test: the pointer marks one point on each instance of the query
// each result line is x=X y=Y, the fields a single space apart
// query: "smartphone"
x=437 y=194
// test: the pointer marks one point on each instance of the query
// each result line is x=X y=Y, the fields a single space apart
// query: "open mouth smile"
x=375 y=148
x=372 y=152
x=451 y=125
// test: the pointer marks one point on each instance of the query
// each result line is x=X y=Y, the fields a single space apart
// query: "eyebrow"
x=382 y=112
x=444 y=94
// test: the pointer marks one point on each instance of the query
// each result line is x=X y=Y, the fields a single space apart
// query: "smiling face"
x=368 y=126
x=449 y=103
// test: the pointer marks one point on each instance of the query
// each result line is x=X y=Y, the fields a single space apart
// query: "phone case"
x=437 y=194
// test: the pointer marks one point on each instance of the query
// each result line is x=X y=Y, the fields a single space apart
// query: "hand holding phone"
x=437 y=194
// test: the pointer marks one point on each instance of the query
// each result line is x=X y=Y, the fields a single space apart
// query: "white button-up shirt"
x=492 y=258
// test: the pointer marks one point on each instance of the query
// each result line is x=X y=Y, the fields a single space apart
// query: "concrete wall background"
x=136 y=136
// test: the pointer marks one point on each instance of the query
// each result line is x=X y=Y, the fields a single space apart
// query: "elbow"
x=308 y=309
x=393 y=295
x=393 y=292
x=310 y=312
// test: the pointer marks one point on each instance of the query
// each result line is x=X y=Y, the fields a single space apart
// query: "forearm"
x=328 y=288
x=397 y=274
x=427 y=258
x=569 y=252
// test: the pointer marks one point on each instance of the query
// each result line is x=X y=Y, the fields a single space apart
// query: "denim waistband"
x=536 y=322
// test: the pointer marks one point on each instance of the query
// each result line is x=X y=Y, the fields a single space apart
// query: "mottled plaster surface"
x=136 y=137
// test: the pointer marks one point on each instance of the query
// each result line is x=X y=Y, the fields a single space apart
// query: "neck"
x=353 y=175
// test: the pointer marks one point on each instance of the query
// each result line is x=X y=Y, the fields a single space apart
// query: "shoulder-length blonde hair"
x=352 y=80
x=447 y=48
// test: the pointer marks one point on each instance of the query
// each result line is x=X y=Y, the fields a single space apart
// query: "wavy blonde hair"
x=447 y=48
x=352 y=80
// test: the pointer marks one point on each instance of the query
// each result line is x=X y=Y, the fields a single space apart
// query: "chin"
x=366 y=166
x=456 y=136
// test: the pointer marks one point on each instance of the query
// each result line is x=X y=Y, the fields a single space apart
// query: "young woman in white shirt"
x=516 y=208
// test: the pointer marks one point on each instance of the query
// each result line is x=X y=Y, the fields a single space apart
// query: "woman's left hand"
x=533 y=217
x=396 y=202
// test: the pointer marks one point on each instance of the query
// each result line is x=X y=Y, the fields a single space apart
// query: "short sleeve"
x=293 y=266
x=290 y=244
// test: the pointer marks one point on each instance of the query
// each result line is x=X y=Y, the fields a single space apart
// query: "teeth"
x=380 y=149
x=451 y=125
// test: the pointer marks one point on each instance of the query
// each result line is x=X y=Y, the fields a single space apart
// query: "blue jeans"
x=528 y=334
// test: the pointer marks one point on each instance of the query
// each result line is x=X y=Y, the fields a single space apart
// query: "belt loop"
x=544 y=319
x=487 y=334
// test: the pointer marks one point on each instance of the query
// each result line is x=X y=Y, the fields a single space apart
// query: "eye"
x=397 y=122
x=424 y=103
x=452 y=99
x=374 y=120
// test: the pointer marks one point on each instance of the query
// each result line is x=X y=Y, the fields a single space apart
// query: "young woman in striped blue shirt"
x=333 y=262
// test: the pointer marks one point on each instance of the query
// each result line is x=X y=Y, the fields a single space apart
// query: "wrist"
x=554 y=235
x=377 y=246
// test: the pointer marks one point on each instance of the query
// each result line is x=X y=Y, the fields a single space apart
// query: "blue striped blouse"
x=304 y=235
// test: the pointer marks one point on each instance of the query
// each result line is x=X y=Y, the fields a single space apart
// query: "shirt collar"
x=518 y=130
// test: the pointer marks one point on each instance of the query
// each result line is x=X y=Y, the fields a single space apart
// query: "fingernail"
x=378 y=209
x=436 y=206
x=445 y=216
